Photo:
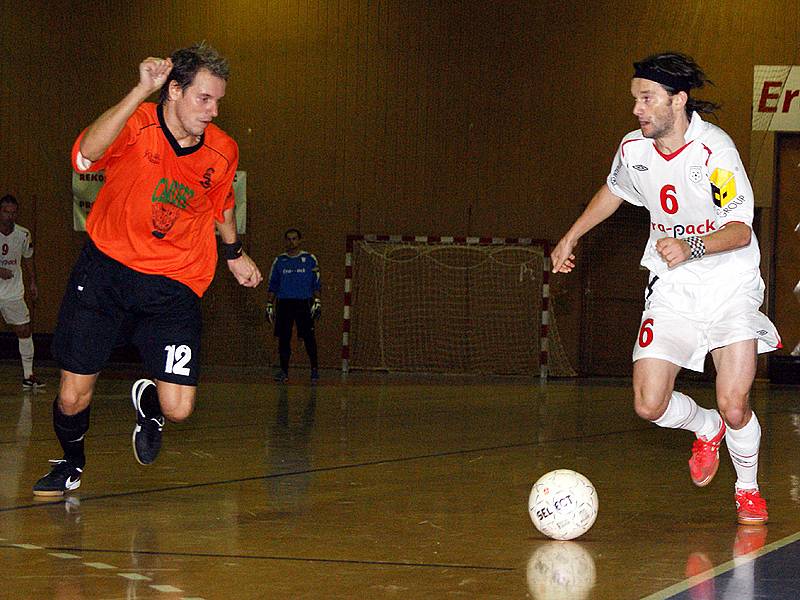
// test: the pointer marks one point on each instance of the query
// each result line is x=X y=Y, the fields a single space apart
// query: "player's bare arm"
x=731 y=236
x=101 y=134
x=602 y=205
x=243 y=268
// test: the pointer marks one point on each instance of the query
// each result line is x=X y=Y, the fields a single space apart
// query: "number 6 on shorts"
x=646 y=333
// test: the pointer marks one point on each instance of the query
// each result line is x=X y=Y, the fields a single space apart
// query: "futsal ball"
x=563 y=504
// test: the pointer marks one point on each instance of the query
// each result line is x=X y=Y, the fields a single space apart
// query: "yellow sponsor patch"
x=723 y=186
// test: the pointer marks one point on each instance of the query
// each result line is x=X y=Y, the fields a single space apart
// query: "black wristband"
x=697 y=247
x=231 y=251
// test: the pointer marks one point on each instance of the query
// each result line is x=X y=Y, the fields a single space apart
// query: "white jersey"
x=693 y=191
x=13 y=248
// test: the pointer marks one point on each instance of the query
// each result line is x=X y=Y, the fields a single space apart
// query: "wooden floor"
x=387 y=487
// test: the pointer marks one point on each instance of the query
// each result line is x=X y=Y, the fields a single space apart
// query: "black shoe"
x=31 y=383
x=281 y=377
x=63 y=477
x=147 y=433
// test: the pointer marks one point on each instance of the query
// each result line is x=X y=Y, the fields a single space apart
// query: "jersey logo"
x=613 y=178
x=206 y=181
x=168 y=198
x=723 y=186
x=695 y=174
x=640 y=167
x=153 y=158
x=730 y=206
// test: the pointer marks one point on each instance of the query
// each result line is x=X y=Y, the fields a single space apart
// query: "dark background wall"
x=358 y=116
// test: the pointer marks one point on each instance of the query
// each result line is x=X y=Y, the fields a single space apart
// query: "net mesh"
x=448 y=307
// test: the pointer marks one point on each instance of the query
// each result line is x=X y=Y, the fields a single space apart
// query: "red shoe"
x=705 y=458
x=749 y=538
x=751 y=508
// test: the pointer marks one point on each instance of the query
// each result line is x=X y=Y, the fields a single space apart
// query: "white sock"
x=684 y=413
x=26 y=354
x=743 y=448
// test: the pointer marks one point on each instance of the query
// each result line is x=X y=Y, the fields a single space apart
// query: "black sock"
x=311 y=348
x=285 y=353
x=151 y=407
x=70 y=431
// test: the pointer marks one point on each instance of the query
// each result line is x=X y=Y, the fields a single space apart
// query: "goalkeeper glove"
x=270 y=312
x=316 y=309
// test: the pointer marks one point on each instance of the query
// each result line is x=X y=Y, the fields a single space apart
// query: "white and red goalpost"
x=450 y=304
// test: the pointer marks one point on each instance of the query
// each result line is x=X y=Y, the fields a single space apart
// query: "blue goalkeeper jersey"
x=294 y=277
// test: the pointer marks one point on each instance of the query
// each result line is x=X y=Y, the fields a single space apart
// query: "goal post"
x=450 y=305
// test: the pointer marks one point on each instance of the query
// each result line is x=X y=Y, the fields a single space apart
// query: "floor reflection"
x=740 y=582
x=288 y=448
x=559 y=570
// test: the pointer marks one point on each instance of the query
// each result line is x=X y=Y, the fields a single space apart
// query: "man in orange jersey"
x=151 y=252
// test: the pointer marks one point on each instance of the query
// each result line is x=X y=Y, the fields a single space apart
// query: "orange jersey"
x=155 y=212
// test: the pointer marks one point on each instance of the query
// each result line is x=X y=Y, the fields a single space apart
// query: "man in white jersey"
x=705 y=288
x=16 y=257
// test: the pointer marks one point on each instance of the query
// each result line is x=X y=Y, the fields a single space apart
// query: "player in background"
x=151 y=253
x=294 y=283
x=705 y=288
x=16 y=260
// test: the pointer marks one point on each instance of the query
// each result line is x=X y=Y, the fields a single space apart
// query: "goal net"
x=452 y=305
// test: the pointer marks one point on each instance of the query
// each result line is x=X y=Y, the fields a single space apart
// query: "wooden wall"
x=354 y=116
x=787 y=272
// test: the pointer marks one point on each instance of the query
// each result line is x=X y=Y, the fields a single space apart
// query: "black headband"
x=676 y=82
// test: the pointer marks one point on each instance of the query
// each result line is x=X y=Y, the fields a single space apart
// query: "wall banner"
x=85 y=187
x=776 y=98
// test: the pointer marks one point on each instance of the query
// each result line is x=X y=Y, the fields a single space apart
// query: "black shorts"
x=107 y=304
x=290 y=311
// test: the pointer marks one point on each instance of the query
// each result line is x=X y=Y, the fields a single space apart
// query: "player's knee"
x=71 y=402
x=178 y=412
x=648 y=412
x=735 y=414
x=648 y=406
x=177 y=401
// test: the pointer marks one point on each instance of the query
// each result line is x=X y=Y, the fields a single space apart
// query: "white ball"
x=563 y=504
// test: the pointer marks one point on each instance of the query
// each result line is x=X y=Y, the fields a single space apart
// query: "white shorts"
x=15 y=312
x=681 y=323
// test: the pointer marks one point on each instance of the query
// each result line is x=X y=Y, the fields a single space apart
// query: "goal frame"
x=443 y=240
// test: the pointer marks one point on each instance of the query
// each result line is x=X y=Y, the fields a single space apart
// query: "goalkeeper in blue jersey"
x=294 y=297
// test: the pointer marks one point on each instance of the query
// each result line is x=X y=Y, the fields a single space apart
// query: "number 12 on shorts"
x=177 y=359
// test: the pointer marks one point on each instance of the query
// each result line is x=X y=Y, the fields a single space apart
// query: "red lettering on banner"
x=766 y=95
x=787 y=100
x=769 y=100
